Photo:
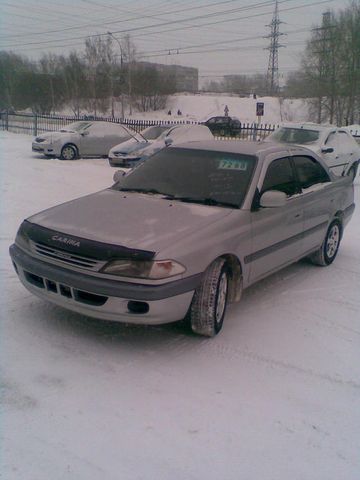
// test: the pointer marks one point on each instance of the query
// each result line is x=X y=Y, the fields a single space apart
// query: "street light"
x=121 y=64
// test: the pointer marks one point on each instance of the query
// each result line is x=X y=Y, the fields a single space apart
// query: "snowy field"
x=200 y=107
x=276 y=396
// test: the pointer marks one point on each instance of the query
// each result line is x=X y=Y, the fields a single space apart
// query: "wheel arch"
x=339 y=215
x=236 y=276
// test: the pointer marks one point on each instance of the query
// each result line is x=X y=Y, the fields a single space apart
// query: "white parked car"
x=173 y=136
x=336 y=146
x=83 y=138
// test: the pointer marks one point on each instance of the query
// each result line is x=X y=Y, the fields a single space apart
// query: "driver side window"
x=280 y=177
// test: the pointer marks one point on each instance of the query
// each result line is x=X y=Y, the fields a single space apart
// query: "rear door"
x=348 y=149
x=317 y=198
x=333 y=159
x=276 y=232
x=92 y=140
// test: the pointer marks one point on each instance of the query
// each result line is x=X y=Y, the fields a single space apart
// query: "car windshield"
x=294 y=135
x=194 y=176
x=152 y=133
x=75 y=127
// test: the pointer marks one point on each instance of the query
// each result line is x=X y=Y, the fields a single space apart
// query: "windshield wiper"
x=203 y=201
x=152 y=191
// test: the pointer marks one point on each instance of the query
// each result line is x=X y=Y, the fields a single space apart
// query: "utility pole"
x=326 y=58
x=121 y=65
x=272 y=78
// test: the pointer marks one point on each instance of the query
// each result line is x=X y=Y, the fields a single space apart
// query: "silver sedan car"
x=82 y=139
x=336 y=146
x=182 y=234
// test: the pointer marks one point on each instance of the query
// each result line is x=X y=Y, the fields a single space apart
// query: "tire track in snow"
x=228 y=352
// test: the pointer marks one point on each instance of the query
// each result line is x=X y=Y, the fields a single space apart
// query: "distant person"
x=226 y=111
x=254 y=96
x=179 y=112
x=169 y=112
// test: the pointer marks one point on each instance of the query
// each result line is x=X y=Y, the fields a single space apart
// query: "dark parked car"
x=224 y=125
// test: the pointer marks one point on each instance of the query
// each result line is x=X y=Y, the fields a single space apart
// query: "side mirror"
x=118 y=175
x=168 y=141
x=327 y=150
x=273 y=199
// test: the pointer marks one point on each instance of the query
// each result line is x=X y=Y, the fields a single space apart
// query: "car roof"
x=310 y=126
x=237 y=146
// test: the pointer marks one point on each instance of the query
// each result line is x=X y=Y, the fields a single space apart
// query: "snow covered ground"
x=200 y=107
x=275 y=396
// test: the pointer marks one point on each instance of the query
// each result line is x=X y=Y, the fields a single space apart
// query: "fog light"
x=138 y=307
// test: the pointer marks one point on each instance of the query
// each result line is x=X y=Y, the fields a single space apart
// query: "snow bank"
x=201 y=107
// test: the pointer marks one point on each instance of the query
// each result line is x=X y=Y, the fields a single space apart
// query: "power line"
x=199 y=17
x=77 y=27
x=223 y=42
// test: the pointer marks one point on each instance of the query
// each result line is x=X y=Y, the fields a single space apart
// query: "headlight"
x=21 y=239
x=40 y=140
x=144 y=269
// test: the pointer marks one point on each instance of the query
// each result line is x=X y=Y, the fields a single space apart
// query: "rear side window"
x=309 y=172
x=347 y=140
x=280 y=176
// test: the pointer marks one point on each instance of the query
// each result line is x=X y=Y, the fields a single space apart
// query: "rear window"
x=152 y=133
x=295 y=135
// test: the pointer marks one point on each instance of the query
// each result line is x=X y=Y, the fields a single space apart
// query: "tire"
x=68 y=152
x=330 y=246
x=208 y=307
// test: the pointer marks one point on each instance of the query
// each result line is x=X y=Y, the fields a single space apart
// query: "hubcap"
x=221 y=300
x=332 y=241
x=68 y=153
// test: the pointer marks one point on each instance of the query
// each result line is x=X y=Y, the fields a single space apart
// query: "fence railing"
x=36 y=124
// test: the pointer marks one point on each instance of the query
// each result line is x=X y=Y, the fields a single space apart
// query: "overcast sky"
x=218 y=37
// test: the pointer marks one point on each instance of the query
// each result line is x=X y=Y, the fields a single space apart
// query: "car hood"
x=130 y=146
x=53 y=136
x=133 y=220
x=148 y=150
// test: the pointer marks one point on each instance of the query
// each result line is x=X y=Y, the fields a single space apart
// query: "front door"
x=276 y=232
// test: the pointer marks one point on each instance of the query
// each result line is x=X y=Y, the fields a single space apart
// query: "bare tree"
x=98 y=57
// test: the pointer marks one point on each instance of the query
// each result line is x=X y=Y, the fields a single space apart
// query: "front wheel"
x=330 y=246
x=208 y=307
x=68 y=152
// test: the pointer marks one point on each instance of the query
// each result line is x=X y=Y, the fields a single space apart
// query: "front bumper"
x=45 y=148
x=105 y=298
x=123 y=162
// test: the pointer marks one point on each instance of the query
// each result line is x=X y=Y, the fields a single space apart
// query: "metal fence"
x=36 y=124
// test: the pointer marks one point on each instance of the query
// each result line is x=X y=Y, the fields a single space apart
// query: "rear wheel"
x=208 y=307
x=330 y=246
x=68 y=152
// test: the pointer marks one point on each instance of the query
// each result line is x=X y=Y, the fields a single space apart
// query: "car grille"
x=67 y=257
